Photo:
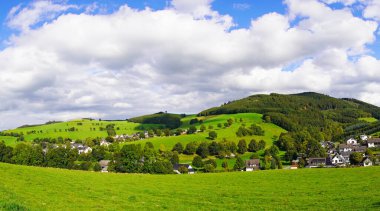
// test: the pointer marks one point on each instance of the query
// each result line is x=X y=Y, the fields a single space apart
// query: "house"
x=338 y=160
x=104 y=143
x=367 y=162
x=346 y=156
x=363 y=137
x=328 y=145
x=345 y=148
x=375 y=142
x=295 y=164
x=252 y=164
x=104 y=165
x=316 y=162
x=352 y=141
x=81 y=148
x=359 y=149
x=190 y=169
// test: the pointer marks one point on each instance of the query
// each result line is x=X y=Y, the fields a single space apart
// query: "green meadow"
x=228 y=133
x=9 y=140
x=368 y=119
x=84 y=128
x=35 y=188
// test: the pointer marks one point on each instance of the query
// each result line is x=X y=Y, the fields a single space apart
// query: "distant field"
x=9 y=140
x=34 y=188
x=228 y=133
x=369 y=119
x=83 y=129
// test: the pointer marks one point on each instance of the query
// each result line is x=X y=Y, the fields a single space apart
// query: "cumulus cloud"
x=22 y=18
x=372 y=9
x=184 y=58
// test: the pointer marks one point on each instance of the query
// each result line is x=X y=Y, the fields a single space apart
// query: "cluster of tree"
x=170 y=121
x=300 y=144
x=134 y=159
x=253 y=130
x=220 y=149
x=195 y=121
x=130 y=158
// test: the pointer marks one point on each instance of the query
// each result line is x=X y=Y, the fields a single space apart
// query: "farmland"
x=228 y=133
x=78 y=129
x=37 y=188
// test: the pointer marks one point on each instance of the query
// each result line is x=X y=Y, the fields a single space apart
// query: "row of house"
x=341 y=156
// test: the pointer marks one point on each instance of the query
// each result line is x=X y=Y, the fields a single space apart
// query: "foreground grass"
x=309 y=189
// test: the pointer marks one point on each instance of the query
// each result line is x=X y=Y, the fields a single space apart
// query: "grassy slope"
x=369 y=119
x=308 y=189
x=228 y=133
x=52 y=130
x=9 y=140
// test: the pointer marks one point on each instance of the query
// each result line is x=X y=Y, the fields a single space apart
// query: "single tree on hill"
x=212 y=135
x=197 y=161
x=242 y=146
x=178 y=147
x=239 y=164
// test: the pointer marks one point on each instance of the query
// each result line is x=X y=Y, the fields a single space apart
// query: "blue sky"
x=69 y=59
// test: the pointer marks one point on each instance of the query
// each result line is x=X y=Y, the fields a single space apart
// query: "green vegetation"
x=171 y=121
x=309 y=189
x=78 y=129
x=368 y=119
x=9 y=140
x=228 y=133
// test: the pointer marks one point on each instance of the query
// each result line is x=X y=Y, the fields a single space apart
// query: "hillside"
x=77 y=129
x=311 y=112
x=170 y=121
x=309 y=189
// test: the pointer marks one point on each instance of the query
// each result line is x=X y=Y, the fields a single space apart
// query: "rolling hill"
x=322 y=116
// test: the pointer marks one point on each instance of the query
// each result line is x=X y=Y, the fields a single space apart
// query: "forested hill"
x=321 y=116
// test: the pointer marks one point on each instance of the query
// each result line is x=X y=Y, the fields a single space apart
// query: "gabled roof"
x=252 y=162
x=177 y=166
x=104 y=162
x=373 y=140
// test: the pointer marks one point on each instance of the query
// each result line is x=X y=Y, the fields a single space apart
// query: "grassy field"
x=9 y=140
x=36 y=188
x=369 y=119
x=84 y=128
x=228 y=133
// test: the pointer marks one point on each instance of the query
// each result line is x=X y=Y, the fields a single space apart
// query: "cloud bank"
x=184 y=58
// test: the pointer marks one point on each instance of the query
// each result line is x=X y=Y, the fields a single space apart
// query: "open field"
x=368 y=119
x=83 y=129
x=306 y=189
x=9 y=140
x=228 y=133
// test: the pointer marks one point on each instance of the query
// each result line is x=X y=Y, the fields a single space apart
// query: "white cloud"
x=372 y=9
x=22 y=18
x=180 y=59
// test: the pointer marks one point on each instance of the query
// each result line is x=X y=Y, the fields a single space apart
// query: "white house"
x=352 y=141
x=367 y=162
x=345 y=148
x=190 y=169
x=251 y=165
x=373 y=142
x=104 y=143
x=338 y=159
x=363 y=137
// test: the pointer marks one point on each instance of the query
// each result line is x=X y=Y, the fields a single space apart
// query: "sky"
x=113 y=59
